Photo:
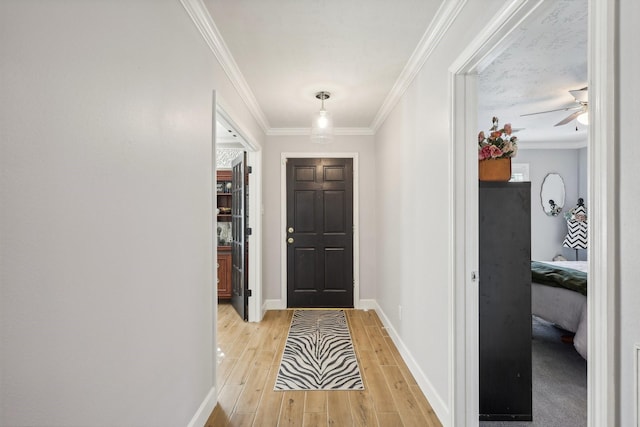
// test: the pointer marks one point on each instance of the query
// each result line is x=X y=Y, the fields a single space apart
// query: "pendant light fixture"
x=322 y=125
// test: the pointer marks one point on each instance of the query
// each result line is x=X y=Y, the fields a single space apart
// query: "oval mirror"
x=552 y=194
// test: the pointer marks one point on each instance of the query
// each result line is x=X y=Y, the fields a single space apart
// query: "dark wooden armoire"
x=505 y=301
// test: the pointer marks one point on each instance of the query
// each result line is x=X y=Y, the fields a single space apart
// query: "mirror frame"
x=552 y=194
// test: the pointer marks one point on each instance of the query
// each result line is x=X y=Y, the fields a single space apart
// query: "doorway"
x=603 y=239
x=231 y=143
x=320 y=232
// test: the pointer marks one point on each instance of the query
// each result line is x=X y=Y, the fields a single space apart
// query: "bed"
x=559 y=296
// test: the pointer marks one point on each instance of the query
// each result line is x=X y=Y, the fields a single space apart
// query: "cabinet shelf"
x=224 y=200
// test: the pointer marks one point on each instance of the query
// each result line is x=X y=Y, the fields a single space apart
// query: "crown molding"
x=203 y=21
x=307 y=131
x=447 y=13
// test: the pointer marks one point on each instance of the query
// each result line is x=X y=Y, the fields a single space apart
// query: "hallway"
x=248 y=359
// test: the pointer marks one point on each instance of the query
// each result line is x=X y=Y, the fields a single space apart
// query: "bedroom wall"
x=628 y=127
x=273 y=203
x=106 y=282
x=583 y=174
x=548 y=232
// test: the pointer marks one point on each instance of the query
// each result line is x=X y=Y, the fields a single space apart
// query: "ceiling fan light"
x=584 y=118
x=322 y=123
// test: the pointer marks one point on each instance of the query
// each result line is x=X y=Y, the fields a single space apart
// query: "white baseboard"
x=206 y=408
x=437 y=403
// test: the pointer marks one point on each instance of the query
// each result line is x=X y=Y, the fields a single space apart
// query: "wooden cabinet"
x=223 y=233
x=223 y=195
x=505 y=301
x=224 y=272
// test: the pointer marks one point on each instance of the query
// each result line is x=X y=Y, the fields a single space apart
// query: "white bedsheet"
x=565 y=308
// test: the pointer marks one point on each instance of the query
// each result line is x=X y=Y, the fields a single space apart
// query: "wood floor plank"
x=362 y=408
x=370 y=318
x=376 y=383
x=400 y=362
x=240 y=419
x=253 y=389
x=268 y=410
x=242 y=368
x=314 y=419
x=406 y=403
x=389 y=419
x=380 y=346
x=238 y=346
x=292 y=410
x=227 y=328
x=224 y=370
x=265 y=358
x=315 y=401
x=339 y=409
x=270 y=338
x=359 y=334
x=425 y=406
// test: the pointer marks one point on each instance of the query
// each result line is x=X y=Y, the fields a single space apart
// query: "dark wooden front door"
x=319 y=233
x=239 y=244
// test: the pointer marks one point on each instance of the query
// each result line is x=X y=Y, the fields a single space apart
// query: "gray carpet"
x=559 y=382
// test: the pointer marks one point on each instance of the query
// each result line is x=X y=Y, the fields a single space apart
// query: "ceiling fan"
x=579 y=108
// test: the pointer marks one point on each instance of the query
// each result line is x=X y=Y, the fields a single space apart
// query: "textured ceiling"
x=287 y=50
x=546 y=58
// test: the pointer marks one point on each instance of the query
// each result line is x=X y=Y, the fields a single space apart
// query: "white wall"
x=273 y=202
x=629 y=176
x=412 y=170
x=105 y=230
x=548 y=232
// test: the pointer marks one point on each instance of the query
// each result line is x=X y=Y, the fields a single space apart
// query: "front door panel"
x=319 y=233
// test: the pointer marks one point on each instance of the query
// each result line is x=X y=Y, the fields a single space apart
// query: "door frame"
x=283 y=220
x=603 y=240
x=254 y=160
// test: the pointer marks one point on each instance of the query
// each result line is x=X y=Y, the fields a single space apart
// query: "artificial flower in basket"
x=499 y=145
x=495 y=153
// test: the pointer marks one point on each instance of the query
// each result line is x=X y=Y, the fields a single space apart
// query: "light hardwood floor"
x=248 y=360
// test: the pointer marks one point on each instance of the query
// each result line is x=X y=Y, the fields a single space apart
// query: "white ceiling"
x=287 y=50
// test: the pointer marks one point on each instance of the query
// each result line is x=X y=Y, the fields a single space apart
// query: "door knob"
x=290 y=240
x=290 y=230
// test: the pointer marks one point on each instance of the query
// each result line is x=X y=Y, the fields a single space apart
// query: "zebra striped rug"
x=318 y=354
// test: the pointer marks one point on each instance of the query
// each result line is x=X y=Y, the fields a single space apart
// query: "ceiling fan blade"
x=569 y=118
x=581 y=95
x=551 y=111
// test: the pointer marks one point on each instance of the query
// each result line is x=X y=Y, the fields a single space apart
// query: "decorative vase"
x=494 y=169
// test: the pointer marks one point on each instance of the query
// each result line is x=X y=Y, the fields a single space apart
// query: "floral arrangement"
x=499 y=145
